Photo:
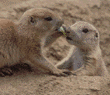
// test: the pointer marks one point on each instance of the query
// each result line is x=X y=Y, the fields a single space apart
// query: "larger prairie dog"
x=25 y=40
x=86 y=51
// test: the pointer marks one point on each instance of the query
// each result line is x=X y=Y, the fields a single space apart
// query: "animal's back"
x=8 y=48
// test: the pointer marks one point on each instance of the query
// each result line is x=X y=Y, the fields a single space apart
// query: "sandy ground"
x=24 y=82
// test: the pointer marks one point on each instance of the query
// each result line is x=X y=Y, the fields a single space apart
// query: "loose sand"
x=24 y=82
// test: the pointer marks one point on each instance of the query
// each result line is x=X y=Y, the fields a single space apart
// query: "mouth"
x=61 y=30
x=68 y=38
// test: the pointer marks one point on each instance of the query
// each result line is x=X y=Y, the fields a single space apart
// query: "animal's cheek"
x=47 y=24
x=44 y=28
x=56 y=23
x=75 y=34
x=48 y=27
x=44 y=25
x=89 y=41
x=39 y=24
x=78 y=37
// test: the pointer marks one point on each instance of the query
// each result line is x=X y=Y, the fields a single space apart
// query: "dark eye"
x=48 y=18
x=85 y=30
x=96 y=34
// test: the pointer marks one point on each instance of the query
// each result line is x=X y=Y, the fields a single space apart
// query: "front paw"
x=5 y=71
x=62 y=73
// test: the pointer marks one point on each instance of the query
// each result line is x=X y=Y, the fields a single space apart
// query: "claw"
x=64 y=73
x=23 y=66
x=5 y=71
x=59 y=75
x=69 y=73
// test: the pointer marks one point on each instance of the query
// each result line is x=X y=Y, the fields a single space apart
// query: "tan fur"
x=25 y=41
x=8 y=47
x=87 y=51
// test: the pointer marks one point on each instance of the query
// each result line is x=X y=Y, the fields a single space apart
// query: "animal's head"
x=40 y=21
x=83 y=35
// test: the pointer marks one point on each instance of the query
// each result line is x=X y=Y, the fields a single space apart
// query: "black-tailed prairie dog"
x=87 y=51
x=24 y=41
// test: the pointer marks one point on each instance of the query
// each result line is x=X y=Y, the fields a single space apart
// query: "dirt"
x=26 y=82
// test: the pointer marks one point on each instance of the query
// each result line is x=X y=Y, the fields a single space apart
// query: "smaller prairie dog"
x=85 y=51
x=25 y=41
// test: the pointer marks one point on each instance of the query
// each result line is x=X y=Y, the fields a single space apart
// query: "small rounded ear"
x=32 y=20
x=96 y=35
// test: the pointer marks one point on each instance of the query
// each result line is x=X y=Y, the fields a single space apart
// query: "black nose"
x=68 y=30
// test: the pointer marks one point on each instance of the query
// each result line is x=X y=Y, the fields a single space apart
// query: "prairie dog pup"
x=25 y=41
x=87 y=51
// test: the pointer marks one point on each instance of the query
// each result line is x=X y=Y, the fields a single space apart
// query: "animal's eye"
x=48 y=18
x=96 y=35
x=32 y=20
x=85 y=30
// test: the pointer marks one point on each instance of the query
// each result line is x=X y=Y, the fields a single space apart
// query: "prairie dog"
x=24 y=41
x=87 y=52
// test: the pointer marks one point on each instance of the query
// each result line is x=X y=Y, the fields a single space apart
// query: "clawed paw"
x=5 y=71
x=62 y=73
x=69 y=72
